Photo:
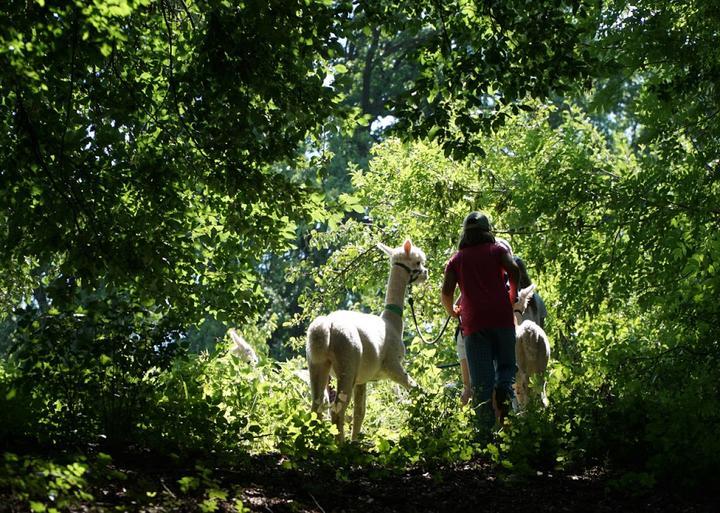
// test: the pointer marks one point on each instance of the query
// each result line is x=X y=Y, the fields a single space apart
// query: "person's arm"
x=447 y=293
x=513 y=271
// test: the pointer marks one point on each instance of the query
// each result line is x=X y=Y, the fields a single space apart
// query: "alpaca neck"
x=395 y=294
x=518 y=316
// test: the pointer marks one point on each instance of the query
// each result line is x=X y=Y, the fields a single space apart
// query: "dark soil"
x=262 y=484
x=468 y=487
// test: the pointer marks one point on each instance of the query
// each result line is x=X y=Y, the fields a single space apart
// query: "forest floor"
x=263 y=484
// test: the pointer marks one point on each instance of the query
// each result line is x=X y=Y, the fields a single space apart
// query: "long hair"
x=524 y=280
x=473 y=237
x=476 y=230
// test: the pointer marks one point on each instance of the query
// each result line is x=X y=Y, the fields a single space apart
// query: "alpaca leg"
x=319 y=373
x=522 y=388
x=358 y=409
x=345 y=385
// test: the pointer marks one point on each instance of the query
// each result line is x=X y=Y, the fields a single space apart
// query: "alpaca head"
x=523 y=299
x=409 y=257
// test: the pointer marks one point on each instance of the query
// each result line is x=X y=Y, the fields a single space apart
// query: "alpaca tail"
x=318 y=340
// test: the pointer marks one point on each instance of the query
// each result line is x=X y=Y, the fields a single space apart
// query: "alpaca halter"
x=414 y=273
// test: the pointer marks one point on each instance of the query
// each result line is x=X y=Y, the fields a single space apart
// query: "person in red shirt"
x=485 y=312
x=460 y=340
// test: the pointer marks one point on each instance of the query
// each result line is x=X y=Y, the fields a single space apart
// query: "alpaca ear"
x=407 y=246
x=382 y=247
x=524 y=296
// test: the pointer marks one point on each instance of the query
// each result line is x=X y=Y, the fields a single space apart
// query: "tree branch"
x=446 y=39
x=367 y=72
x=68 y=106
x=189 y=14
x=26 y=122
x=173 y=87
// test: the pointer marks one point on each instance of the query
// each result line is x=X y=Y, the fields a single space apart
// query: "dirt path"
x=467 y=488
x=263 y=485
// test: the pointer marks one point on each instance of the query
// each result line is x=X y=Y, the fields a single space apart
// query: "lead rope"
x=411 y=302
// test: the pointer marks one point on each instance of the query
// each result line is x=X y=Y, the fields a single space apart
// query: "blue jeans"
x=491 y=362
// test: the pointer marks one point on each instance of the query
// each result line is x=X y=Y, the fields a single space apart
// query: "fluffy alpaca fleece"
x=242 y=349
x=358 y=347
x=532 y=350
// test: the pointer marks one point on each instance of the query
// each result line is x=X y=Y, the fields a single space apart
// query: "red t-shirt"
x=481 y=276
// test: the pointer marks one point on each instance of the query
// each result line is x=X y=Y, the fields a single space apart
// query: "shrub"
x=82 y=363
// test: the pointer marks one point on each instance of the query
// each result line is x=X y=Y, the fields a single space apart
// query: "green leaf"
x=188 y=483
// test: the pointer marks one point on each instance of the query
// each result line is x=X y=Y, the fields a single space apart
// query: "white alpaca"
x=358 y=347
x=242 y=349
x=532 y=350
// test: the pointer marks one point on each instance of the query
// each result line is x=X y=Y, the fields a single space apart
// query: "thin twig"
x=446 y=39
x=168 y=490
x=662 y=354
x=351 y=264
x=316 y=502
x=447 y=365
x=189 y=15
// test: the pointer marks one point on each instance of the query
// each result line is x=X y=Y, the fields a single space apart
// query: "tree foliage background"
x=171 y=168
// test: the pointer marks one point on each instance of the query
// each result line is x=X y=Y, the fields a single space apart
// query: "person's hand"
x=456 y=311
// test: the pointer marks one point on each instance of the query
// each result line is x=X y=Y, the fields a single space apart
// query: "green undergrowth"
x=66 y=482
x=218 y=410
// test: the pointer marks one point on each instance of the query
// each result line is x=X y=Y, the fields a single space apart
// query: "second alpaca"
x=532 y=350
